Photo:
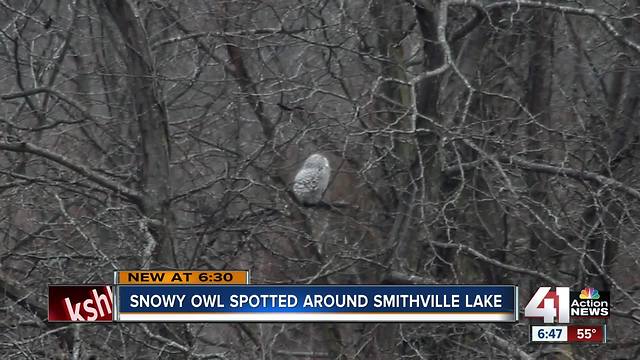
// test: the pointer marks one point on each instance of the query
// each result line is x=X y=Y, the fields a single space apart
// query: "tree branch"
x=599 y=16
x=22 y=297
x=25 y=147
x=572 y=173
x=553 y=170
x=506 y=346
x=51 y=91
x=241 y=74
x=480 y=256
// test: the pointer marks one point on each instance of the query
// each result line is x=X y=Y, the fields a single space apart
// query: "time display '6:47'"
x=546 y=333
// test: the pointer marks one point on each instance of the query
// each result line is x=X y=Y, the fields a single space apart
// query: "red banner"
x=586 y=333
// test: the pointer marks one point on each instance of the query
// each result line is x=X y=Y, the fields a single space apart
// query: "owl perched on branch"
x=312 y=179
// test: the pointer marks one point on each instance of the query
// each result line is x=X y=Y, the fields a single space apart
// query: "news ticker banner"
x=225 y=296
x=317 y=303
x=186 y=296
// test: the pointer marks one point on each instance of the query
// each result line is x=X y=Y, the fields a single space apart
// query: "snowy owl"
x=312 y=179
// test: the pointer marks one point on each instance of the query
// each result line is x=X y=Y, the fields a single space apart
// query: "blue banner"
x=316 y=303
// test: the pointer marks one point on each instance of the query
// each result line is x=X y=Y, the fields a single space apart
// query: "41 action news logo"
x=561 y=304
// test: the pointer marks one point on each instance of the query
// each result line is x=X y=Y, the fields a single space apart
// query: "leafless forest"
x=470 y=142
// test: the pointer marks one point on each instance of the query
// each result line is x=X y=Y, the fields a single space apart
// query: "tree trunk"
x=151 y=115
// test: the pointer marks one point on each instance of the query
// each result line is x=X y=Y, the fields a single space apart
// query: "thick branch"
x=553 y=170
x=56 y=93
x=242 y=33
x=150 y=112
x=22 y=297
x=24 y=147
x=399 y=278
x=573 y=173
x=467 y=27
x=25 y=93
x=237 y=68
x=599 y=16
x=243 y=78
x=506 y=346
x=475 y=253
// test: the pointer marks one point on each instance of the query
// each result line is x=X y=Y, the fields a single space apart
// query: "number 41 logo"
x=549 y=305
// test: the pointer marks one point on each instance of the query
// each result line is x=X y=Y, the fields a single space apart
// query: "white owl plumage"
x=312 y=179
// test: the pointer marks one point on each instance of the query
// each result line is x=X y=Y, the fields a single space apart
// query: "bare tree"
x=468 y=141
